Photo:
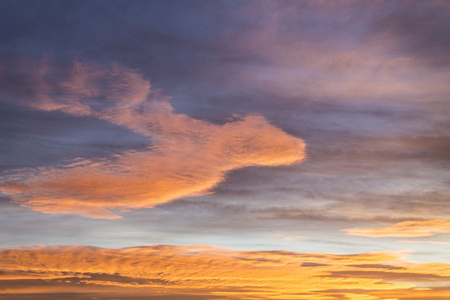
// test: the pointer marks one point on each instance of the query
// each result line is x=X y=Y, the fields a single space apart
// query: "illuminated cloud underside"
x=86 y=129
x=404 y=229
x=187 y=157
x=206 y=270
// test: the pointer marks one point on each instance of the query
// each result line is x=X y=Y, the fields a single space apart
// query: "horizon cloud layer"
x=204 y=270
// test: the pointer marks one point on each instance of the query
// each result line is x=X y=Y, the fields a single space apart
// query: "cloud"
x=207 y=270
x=419 y=29
x=187 y=156
x=77 y=89
x=404 y=229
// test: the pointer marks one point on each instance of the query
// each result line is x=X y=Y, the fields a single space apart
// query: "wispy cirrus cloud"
x=404 y=229
x=205 y=270
x=187 y=156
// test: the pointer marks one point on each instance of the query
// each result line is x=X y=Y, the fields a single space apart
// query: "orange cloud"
x=404 y=229
x=206 y=270
x=188 y=157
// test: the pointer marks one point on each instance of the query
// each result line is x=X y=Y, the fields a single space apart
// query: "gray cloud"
x=421 y=29
x=35 y=138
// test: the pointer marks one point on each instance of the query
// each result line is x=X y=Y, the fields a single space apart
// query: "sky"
x=241 y=149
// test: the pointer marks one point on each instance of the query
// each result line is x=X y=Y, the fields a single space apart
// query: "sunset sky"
x=235 y=149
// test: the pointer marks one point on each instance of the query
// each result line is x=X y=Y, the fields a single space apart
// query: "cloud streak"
x=187 y=156
x=404 y=229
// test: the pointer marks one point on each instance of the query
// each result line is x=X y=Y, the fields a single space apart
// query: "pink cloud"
x=189 y=156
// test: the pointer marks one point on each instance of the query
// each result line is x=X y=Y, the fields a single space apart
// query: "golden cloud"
x=206 y=270
x=404 y=229
x=188 y=156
